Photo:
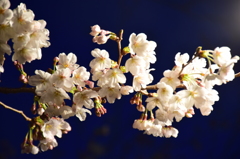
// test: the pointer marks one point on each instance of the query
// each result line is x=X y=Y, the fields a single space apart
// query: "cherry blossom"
x=67 y=61
x=138 y=43
x=48 y=144
x=81 y=113
x=110 y=93
x=101 y=60
x=83 y=98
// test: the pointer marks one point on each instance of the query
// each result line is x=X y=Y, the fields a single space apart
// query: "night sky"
x=176 y=26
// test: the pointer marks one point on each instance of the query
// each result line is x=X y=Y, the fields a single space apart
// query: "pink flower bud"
x=22 y=77
x=15 y=62
x=50 y=147
x=56 y=59
x=89 y=83
x=95 y=30
x=79 y=88
x=140 y=108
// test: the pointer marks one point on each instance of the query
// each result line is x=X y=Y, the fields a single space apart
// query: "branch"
x=237 y=74
x=17 y=90
x=32 y=89
x=151 y=87
x=119 y=47
x=15 y=110
x=2 y=59
x=198 y=50
x=154 y=87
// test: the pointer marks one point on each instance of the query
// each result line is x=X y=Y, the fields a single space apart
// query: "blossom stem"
x=209 y=64
x=15 y=110
x=30 y=137
x=26 y=138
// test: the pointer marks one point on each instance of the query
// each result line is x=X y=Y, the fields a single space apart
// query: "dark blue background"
x=176 y=26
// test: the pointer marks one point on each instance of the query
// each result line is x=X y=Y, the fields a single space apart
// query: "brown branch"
x=237 y=74
x=119 y=47
x=15 y=110
x=154 y=87
x=2 y=59
x=32 y=89
x=151 y=87
x=96 y=88
x=6 y=90
x=198 y=50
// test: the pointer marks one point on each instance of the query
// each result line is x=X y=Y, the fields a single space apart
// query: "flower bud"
x=64 y=131
x=50 y=147
x=15 y=63
x=40 y=111
x=33 y=108
x=113 y=64
x=114 y=37
x=79 y=88
x=188 y=115
x=123 y=69
x=23 y=78
x=95 y=30
x=89 y=83
x=55 y=60
x=140 y=108
x=98 y=114
x=125 y=50
x=30 y=149
x=133 y=100
x=191 y=111
x=34 y=149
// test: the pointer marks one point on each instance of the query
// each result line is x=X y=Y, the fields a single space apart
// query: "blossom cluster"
x=196 y=83
x=193 y=76
x=28 y=35
x=52 y=89
x=138 y=65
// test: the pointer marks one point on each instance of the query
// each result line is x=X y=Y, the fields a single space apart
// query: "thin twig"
x=15 y=110
x=199 y=49
x=120 y=47
x=237 y=74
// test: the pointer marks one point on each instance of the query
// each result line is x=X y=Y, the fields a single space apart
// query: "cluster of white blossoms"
x=189 y=84
x=28 y=35
x=52 y=89
x=196 y=83
x=138 y=65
